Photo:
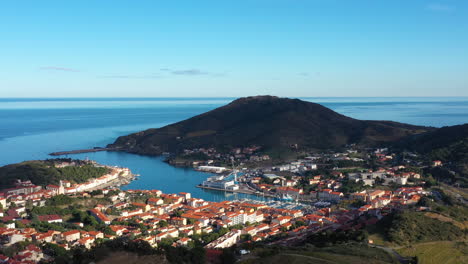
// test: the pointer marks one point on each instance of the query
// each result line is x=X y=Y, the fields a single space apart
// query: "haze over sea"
x=32 y=128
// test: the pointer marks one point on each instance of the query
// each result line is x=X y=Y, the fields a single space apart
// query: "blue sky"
x=233 y=48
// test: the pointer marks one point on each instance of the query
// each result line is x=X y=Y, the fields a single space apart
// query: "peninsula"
x=276 y=125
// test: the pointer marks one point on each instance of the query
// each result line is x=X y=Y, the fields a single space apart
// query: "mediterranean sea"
x=32 y=128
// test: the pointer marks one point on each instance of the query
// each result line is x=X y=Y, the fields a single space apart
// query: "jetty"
x=97 y=149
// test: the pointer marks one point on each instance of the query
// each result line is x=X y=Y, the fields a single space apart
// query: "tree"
x=29 y=204
x=228 y=256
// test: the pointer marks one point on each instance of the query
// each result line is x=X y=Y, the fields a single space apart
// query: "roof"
x=100 y=215
x=71 y=232
x=45 y=218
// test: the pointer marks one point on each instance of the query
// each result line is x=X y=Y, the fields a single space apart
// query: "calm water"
x=32 y=128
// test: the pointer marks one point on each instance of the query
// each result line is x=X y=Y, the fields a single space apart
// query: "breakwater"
x=79 y=151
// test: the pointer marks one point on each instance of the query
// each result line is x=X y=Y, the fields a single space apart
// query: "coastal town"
x=70 y=215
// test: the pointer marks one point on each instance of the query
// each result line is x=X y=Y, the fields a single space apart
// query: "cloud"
x=191 y=72
x=307 y=74
x=129 y=76
x=439 y=7
x=54 y=68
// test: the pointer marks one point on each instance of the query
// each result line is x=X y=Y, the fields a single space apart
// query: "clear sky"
x=233 y=48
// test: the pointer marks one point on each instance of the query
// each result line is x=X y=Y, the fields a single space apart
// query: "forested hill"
x=448 y=144
x=273 y=123
x=43 y=172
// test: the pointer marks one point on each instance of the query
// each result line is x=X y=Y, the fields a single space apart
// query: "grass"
x=447 y=219
x=447 y=252
x=132 y=258
x=315 y=258
x=346 y=254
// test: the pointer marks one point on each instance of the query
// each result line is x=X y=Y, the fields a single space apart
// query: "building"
x=50 y=218
x=225 y=241
x=70 y=236
x=101 y=217
x=214 y=182
x=212 y=169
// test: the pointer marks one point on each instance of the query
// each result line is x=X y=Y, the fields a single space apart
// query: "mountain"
x=273 y=123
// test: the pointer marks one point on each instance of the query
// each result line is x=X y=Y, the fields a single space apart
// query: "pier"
x=60 y=153
x=237 y=191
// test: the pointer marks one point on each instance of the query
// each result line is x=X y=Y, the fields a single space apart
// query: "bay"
x=30 y=128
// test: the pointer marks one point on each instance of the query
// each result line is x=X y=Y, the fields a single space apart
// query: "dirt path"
x=392 y=251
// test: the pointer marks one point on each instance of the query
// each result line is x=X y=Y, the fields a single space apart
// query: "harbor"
x=235 y=182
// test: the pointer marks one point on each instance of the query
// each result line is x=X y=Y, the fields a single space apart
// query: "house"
x=121 y=205
x=179 y=221
x=4 y=259
x=44 y=237
x=183 y=241
x=132 y=213
x=119 y=230
x=329 y=195
x=96 y=234
x=281 y=220
x=144 y=207
x=374 y=194
x=55 y=189
x=31 y=253
x=289 y=191
x=50 y=218
x=87 y=242
x=197 y=217
x=185 y=195
x=70 y=236
x=336 y=196
x=100 y=217
x=3 y=202
x=361 y=196
x=155 y=201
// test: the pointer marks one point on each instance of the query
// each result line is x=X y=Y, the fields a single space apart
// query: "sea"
x=31 y=128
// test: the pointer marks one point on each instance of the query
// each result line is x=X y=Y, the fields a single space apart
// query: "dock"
x=236 y=191
x=60 y=153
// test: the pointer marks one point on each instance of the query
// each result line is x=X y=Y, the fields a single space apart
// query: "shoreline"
x=117 y=183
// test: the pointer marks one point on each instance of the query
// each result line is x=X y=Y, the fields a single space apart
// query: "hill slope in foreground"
x=270 y=122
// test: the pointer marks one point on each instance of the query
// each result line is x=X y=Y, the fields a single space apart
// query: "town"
x=346 y=197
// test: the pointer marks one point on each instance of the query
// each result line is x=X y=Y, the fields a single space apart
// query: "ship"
x=285 y=197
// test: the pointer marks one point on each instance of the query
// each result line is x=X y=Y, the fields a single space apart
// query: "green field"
x=304 y=259
x=338 y=254
x=446 y=252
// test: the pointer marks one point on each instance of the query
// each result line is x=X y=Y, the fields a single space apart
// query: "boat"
x=285 y=197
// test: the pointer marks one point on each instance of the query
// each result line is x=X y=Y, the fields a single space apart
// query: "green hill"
x=43 y=172
x=273 y=123
x=448 y=144
x=408 y=227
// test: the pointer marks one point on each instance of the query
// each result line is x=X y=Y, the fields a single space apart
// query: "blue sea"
x=32 y=128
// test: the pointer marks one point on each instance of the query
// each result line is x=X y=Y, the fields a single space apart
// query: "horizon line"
x=227 y=97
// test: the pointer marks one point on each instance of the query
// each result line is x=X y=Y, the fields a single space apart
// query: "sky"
x=296 y=48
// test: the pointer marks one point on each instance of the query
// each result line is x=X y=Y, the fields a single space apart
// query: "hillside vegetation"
x=349 y=254
x=44 y=172
x=446 y=252
x=448 y=144
x=413 y=227
x=275 y=124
